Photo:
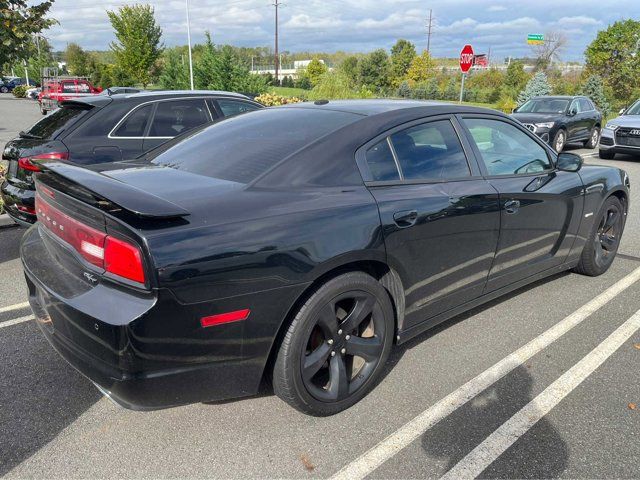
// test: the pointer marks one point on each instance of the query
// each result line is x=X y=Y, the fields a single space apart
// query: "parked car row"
x=107 y=128
x=8 y=84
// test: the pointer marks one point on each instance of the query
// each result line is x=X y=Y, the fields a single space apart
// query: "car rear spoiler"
x=128 y=197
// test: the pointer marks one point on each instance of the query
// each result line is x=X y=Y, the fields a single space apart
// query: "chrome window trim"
x=130 y=112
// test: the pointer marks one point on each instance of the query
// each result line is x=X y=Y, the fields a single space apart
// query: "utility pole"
x=429 y=31
x=189 y=41
x=277 y=4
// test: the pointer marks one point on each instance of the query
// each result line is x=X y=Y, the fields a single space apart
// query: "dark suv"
x=104 y=128
x=561 y=119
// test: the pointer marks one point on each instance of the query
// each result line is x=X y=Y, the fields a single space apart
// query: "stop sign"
x=466 y=58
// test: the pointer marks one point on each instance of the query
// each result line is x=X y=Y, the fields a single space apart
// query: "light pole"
x=189 y=41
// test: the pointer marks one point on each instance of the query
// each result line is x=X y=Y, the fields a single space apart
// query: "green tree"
x=175 y=71
x=515 y=78
x=402 y=54
x=373 y=70
x=335 y=85
x=349 y=67
x=19 y=20
x=138 y=44
x=451 y=91
x=594 y=89
x=404 y=90
x=315 y=70
x=615 y=56
x=78 y=61
x=537 y=86
x=421 y=68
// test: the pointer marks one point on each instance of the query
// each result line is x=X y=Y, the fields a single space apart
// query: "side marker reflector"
x=222 y=318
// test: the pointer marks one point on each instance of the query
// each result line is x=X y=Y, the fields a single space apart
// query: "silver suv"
x=622 y=134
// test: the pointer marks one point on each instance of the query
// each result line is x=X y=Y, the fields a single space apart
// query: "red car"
x=56 y=91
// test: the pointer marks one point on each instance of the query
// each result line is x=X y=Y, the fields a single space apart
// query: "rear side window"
x=430 y=151
x=231 y=108
x=55 y=123
x=585 y=105
x=178 y=116
x=135 y=124
x=381 y=162
x=244 y=147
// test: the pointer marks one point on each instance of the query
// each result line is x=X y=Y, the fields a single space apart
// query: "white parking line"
x=506 y=435
x=17 y=306
x=16 y=321
x=405 y=435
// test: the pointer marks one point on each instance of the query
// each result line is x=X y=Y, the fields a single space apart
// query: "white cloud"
x=356 y=25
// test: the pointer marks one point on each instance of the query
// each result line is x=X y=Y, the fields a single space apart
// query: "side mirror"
x=621 y=112
x=569 y=162
x=573 y=112
x=515 y=110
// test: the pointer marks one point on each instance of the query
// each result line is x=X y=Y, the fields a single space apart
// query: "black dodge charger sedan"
x=107 y=128
x=299 y=244
x=562 y=119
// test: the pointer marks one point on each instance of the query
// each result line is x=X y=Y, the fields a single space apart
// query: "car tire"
x=4 y=90
x=317 y=370
x=594 y=138
x=43 y=111
x=603 y=240
x=606 y=154
x=559 y=141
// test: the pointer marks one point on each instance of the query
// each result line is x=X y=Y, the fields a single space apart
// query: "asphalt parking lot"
x=541 y=383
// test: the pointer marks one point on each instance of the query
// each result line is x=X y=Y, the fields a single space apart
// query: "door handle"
x=405 y=218
x=512 y=206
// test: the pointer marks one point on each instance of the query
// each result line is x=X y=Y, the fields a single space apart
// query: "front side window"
x=135 y=124
x=231 y=108
x=430 y=151
x=505 y=149
x=178 y=116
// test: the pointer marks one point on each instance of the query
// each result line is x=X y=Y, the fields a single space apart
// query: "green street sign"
x=535 y=39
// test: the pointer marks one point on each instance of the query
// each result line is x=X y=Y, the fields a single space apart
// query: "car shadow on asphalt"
x=10 y=243
x=543 y=455
x=40 y=394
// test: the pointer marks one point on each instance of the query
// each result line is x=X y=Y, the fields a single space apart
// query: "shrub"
x=506 y=104
x=404 y=90
x=275 y=100
x=20 y=91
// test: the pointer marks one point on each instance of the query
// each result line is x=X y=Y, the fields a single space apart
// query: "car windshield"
x=544 y=105
x=55 y=123
x=242 y=148
x=634 y=109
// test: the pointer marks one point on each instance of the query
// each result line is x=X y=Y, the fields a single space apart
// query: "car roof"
x=561 y=97
x=381 y=106
x=103 y=100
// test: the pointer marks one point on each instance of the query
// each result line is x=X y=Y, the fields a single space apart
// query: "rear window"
x=242 y=148
x=55 y=123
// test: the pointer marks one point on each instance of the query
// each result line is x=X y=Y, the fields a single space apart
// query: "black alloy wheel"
x=604 y=240
x=336 y=347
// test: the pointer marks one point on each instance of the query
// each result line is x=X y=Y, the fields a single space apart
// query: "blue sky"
x=357 y=25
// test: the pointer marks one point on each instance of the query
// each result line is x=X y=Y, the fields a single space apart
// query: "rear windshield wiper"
x=24 y=134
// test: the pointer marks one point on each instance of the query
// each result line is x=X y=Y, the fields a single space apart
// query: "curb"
x=6 y=221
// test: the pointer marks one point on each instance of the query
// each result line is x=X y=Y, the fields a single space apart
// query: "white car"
x=622 y=134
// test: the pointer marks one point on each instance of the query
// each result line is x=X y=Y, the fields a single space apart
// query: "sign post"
x=466 y=62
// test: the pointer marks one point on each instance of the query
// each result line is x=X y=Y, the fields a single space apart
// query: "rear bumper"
x=145 y=351
x=13 y=197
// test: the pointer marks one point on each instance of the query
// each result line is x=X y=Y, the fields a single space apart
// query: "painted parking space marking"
x=16 y=321
x=11 y=308
x=506 y=435
x=405 y=435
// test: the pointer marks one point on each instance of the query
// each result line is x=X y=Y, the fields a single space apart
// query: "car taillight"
x=114 y=255
x=26 y=163
x=123 y=259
